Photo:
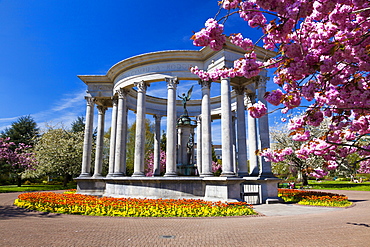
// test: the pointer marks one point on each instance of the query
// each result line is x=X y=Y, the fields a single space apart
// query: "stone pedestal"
x=268 y=189
x=185 y=147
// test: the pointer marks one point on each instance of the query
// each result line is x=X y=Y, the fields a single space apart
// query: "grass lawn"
x=339 y=185
x=40 y=187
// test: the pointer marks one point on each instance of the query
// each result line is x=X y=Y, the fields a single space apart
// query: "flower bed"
x=129 y=207
x=315 y=198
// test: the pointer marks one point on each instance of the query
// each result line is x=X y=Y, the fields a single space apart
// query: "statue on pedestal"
x=186 y=98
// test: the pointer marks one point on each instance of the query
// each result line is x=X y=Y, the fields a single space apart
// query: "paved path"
x=283 y=225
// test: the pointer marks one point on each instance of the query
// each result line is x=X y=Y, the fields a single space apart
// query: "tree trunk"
x=66 y=180
x=19 y=181
x=304 y=179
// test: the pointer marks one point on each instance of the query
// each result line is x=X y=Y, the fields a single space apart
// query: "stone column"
x=241 y=129
x=206 y=130
x=252 y=139
x=99 y=142
x=171 y=128
x=86 y=153
x=235 y=167
x=140 y=129
x=112 y=146
x=226 y=126
x=199 y=144
x=179 y=146
x=263 y=127
x=157 y=146
x=121 y=135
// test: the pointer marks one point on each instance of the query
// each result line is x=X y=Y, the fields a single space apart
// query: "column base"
x=267 y=175
x=228 y=174
x=85 y=175
x=243 y=174
x=118 y=174
x=206 y=174
x=138 y=174
x=97 y=176
x=170 y=174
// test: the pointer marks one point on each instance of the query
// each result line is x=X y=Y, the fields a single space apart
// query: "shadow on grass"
x=33 y=188
x=342 y=186
x=11 y=212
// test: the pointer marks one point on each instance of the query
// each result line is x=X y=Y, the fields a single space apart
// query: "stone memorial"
x=124 y=88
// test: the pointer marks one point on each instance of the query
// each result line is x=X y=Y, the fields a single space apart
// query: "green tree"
x=24 y=130
x=59 y=152
x=149 y=142
x=78 y=125
x=163 y=143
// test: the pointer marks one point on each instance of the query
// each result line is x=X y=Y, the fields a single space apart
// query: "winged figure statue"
x=186 y=98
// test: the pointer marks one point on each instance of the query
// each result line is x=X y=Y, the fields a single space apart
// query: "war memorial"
x=245 y=176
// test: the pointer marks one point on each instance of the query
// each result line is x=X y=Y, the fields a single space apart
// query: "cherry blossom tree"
x=17 y=157
x=149 y=164
x=322 y=57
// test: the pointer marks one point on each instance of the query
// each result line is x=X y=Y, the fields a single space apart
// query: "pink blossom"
x=210 y=35
x=314 y=118
x=301 y=136
x=257 y=110
x=331 y=165
x=319 y=173
x=274 y=97
x=230 y=4
x=296 y=123
x=245 y=44
x=322 y=56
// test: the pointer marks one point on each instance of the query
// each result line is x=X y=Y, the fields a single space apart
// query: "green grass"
x=339 y=185
x=41 y=187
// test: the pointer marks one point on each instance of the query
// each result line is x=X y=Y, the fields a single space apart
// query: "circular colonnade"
x=124 y=88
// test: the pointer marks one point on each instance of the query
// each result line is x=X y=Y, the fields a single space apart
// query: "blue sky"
x=45 y=44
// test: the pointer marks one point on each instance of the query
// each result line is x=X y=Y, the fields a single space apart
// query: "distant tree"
x=149 y=168
x=17 y=157
x=78 y=125
x=130 y=146
x=59 y=152
x=297 y=162
x=163 y=143
x=24 y=130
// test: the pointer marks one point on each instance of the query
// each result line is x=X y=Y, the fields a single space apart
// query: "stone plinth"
x=268 y=186
x=209 y=188
x=185 y=147
x=91 y=185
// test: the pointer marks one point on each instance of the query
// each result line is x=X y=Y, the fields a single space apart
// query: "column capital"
x=250 y=98
x=262 y=81
x=141 y=86
x=101 y=109
x=115 y=101
x=172 y=82
x=90 y=101
x=121 y=93
x=239 y=90
x=157 y=117
x=205 y=84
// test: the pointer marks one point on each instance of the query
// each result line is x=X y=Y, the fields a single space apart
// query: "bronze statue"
x=186 y=98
